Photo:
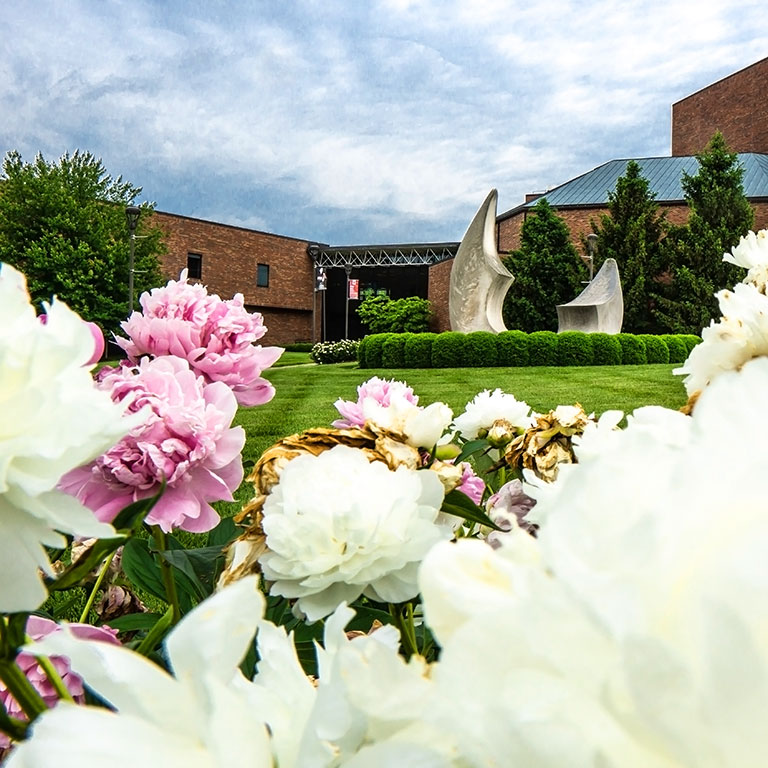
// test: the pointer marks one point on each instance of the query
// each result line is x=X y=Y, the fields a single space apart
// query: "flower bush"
x=326 y=352
x=500 y=588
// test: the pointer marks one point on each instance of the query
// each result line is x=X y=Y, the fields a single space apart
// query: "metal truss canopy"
x=424 y=254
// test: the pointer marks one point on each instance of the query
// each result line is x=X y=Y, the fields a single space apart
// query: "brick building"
x=276 y=274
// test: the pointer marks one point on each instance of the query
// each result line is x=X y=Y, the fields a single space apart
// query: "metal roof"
x=663 y=174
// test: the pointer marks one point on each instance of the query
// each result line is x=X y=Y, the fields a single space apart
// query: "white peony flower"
x=488 y=407
x=642 y=638
x=199 y=718
x=740 y=335
x=54 y=419
x=752 y=254
x=421 y=427
x=338 y=526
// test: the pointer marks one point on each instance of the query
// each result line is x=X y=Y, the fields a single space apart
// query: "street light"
x=132 y=213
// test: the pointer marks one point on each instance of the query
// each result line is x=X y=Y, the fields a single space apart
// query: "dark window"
x=262 y=275
x=195 y=265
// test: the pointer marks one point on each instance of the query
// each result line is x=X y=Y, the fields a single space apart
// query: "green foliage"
x=606 y=349
x=573 y=348
x=512 y=348
x=299 y=346
x=678 y=350
x=373 y=349
x=448 y=350
x=384 y=315
x=393 y=350
x=480 y=349
x=334 y=351
x=418 y=350
x=361 y=352
x=656 y=350
x=719 y=215
x=632 y=349
x=690 y=340
x=631 y=232
x=63 y=225
x=542 y=348
x=547 y=272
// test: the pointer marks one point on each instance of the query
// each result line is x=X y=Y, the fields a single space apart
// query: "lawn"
x=305 y=394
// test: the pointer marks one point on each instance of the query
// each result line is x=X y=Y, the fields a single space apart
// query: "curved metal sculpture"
x=599 y=308
x=479 y=281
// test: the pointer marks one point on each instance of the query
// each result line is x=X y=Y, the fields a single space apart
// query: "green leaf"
x=198 y=566
x=223 y=533
x=134 y=621
x=469 y=448
x=459 y=504
x=131 y=517
x=142 y=569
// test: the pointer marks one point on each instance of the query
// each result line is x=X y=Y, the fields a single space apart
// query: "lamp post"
x=348 y=270
x=591 y=251
x=132 y=213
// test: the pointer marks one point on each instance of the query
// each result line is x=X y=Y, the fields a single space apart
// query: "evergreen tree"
x=63 y=225
x=547 y=272
x=719 y=215
x=630 y=233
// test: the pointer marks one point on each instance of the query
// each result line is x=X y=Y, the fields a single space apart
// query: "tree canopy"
x=547 y=272
x=631 y=233
x=719 y=215
x=63 y=225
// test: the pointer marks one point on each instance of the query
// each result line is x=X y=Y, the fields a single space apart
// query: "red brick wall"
x=735 y=106
x=229 y=266
x=439 y=288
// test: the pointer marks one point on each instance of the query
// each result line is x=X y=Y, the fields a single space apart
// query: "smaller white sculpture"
x=479 y=281
x=599 y=308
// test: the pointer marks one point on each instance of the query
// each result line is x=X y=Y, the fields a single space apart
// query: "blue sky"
x=358 y=122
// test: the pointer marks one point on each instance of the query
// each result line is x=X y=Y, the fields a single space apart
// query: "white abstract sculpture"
x=599 y=308
x=479 y=281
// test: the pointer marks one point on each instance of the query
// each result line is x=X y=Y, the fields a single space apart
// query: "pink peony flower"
x=375 y=389
x=38 y=627
x=215 y=337
x=98 y=339
x=471 y=485
x=186 y=440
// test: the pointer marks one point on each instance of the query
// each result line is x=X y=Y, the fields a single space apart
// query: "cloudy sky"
x=347 y=121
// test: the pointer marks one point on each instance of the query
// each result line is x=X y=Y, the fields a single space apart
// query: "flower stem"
x=405 y=625
x=21 y=689
x=167 y=572
x=92 y=596
x=54 y=678
x=16 y=729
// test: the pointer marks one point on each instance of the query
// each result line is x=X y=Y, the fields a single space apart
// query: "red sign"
x=354 y=289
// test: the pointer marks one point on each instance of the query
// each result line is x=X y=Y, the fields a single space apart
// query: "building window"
x=262 y=276
x=195 y=266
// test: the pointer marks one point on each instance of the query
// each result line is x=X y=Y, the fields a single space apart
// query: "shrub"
x=542 y=346
x=606 y=349
x=373 y=349
x=690 y=340
x=384 y=315
x=656 y=351
x=334 y=351
x=676 y=346
x=393 y=350
x=361 y=352
x=299 y=346
x=448 y=350
x=573 y=348
x=480 y=350
x=512 y=348
x=418 y=350
x=632 y=349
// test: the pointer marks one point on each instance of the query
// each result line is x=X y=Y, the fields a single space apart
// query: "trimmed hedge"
x=393 y=350
x=480 y=350
x=606 y=349
x=573 y=348
x=448 y=350
x=632 y=349
x=512 y=348
x=656 y=349
x=678 y=351
x=515 y=348
x=418 y=350
x=542 y=348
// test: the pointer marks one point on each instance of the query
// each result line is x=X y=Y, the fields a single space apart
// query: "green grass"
x=292 y=358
